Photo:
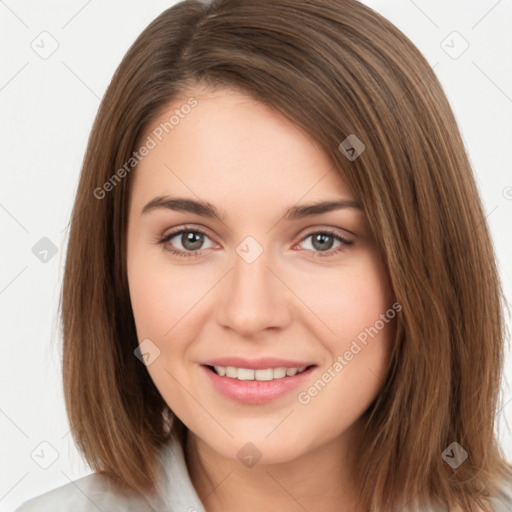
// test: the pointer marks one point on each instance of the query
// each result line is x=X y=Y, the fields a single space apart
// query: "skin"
x=252 y=162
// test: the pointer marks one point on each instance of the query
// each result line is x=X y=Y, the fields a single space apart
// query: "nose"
x=254 y=297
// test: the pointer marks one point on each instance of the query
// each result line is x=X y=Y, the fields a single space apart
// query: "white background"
x=47 y=107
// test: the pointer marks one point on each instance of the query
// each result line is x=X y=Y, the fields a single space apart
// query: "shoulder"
x=503 y=502
x=87 y=494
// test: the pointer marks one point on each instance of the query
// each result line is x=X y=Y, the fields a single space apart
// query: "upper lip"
x=256 y=364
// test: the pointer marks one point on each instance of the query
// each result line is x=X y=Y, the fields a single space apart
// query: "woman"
x=332 y=337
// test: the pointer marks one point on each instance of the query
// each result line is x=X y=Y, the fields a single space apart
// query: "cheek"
x=162 y=304
x=366 y=329
x=349 y=300
x=151 y=307
x=358 y=310
x=162 y=297
x=362 y=304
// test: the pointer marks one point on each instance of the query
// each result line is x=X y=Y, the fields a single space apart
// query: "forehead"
x=229 y=147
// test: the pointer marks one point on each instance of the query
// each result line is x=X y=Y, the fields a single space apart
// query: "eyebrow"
x=208 y=210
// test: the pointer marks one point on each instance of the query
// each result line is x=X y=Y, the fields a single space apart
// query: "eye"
x=190 y=239
x=322 y=241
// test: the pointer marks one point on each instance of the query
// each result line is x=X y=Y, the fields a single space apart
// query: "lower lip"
x=256 y=391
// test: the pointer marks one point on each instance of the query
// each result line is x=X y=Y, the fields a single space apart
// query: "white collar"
x=176 y=488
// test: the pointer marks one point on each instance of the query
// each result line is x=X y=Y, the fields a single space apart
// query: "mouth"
x=263 y=374
x=256 y=386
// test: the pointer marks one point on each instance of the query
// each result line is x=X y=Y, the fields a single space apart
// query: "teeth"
x=249 y=374
x=221 y=370
x=231 y=372
x=244 y=374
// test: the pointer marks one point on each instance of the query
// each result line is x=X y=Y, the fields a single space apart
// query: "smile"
x=251 y=374
x=251 y=386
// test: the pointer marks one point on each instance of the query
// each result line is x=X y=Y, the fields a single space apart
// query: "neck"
x=318 y=479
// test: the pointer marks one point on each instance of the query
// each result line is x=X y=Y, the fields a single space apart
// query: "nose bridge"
x=253 y=298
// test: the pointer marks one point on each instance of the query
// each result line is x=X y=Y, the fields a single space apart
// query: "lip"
x=256 y=364
x=255 y=391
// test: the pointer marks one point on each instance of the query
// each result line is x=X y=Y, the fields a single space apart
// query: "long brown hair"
x=337 y=69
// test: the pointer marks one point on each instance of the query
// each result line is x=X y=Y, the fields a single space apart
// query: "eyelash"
x=316 y=254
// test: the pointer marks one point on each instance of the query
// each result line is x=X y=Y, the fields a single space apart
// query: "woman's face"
x=269 y=288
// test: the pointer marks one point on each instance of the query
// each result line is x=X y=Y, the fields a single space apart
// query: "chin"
x=250 y=448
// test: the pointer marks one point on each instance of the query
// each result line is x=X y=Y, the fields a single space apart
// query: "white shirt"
x=93 y=493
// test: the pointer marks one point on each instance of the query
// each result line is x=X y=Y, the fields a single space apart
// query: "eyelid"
x=180 y=229
x=326 y=229
x=191 y=227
